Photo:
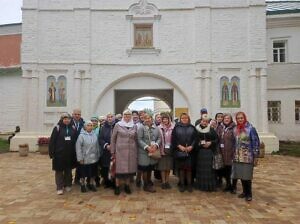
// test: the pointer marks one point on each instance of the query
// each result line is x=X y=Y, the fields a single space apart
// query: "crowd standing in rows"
x=113 y=150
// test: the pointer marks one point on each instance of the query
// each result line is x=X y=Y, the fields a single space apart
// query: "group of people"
x=115 y=150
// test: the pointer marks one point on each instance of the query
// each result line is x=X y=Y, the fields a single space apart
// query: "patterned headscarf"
x=240 y=127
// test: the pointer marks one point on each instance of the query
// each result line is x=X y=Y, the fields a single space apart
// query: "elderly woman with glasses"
x=123 y=147
x=88 y=154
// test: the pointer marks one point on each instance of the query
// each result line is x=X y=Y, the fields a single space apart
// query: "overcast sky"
x=10 y=11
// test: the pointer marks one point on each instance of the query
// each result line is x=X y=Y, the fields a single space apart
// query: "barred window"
x=274 y=111
x=297 y=111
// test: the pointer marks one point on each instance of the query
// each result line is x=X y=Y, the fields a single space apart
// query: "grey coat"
x=123 y=144
x=147 y=135
x=87 y=147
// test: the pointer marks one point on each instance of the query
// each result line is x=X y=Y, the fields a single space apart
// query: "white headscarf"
x=123 y=123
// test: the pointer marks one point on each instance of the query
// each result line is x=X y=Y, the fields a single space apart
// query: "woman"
x=123 y=147
x=215 y=125
x=165 y=164
x=104 y=141
x=207 y=143
x=149 y=140
x=226 y=136
x=246 y=151
x=62 y=153
x=88 y=154
x=183 y=142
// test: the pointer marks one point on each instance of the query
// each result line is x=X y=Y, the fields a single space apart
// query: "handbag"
x=218 y=162
x=156 y=154
x=112 y=169
x=181 y=154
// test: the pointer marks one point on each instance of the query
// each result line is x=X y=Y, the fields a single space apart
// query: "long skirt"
x=242 y=171
x=205 y=174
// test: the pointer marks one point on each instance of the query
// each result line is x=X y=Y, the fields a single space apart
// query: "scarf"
x=125 y=124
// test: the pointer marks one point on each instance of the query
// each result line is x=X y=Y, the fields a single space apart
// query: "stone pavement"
x=28 y=196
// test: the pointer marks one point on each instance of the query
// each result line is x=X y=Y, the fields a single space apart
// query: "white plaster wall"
x=292 y=35
x=287 y=129
x=284 y=78
x=87 y=40
x=11 y=102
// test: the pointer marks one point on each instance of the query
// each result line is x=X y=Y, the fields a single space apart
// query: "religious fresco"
x=56 y=91
x=230 y=92
x=143 y=36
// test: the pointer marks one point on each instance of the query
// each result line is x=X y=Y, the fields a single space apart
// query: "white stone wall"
x=284 y=78
x=197 y=41
x=10 y=101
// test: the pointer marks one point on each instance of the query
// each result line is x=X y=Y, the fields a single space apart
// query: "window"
x=297 y=111
x=274 y=111
x=143 y=35
x=279 y=51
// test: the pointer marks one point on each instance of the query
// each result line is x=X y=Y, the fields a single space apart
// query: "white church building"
x=100 y=55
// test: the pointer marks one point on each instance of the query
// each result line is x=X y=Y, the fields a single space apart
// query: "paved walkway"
x=28 y=196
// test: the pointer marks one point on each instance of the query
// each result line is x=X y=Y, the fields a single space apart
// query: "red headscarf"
x=240 y=127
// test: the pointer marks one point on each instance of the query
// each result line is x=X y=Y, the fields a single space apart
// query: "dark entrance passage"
x=124 y=97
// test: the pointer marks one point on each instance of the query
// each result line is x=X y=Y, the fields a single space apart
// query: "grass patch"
x=289 y=148
x=4 y=146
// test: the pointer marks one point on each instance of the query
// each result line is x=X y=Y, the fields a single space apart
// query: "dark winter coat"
x=185 y=135
x=104 y=140
x=226 y=142
x=61 y=150
x=78 y=126
x=210 y=136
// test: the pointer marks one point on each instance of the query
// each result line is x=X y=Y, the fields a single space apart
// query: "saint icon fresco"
x=230 y=96
x=56 y=91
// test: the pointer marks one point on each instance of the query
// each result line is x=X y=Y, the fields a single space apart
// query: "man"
x=77 y=122
x=202 y=112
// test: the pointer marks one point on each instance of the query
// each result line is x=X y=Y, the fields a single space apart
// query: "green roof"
x=10 y=71
x=283 y=7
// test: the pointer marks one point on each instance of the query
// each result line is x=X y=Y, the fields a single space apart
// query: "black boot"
x=91 y=187
x=233 y=186
x=83 y=188
x=248 y=190
x=243 y=195
x=127 y=189
x=117 y=190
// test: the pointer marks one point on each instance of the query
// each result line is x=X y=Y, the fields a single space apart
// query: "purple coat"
x=124 y=145
x=226 y=142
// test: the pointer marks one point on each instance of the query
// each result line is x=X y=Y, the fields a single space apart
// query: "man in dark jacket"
x=77 y=122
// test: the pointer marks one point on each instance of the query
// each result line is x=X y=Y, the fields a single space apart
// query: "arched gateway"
x=118 y=95
x=96 y=56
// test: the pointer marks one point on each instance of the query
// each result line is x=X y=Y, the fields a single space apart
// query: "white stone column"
x=86 y=94
x=207 y=93
x=34 y=118
x=77 y=90
x=26 y=77
x=199 y=91
x=263 y=101
x=252 y=97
